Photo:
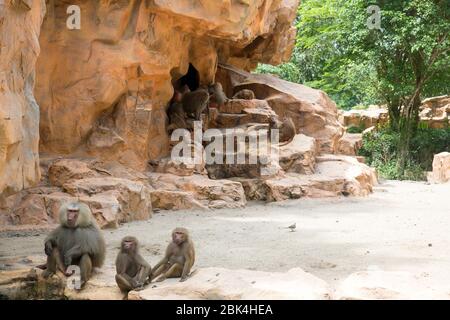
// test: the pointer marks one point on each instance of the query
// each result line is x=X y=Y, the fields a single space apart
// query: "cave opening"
x=191 y=79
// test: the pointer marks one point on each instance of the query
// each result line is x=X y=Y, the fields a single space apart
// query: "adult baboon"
x=77 y=241
x=132 y=269
x=177 y=116
x=178 y=259
x=218 y=97
x=195 y=102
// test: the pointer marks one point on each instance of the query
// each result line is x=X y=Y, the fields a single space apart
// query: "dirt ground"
x=403 y=226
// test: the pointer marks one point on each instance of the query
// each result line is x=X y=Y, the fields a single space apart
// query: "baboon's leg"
x=53 y=262
x=174 y=271
x=125 y=282
x=158 y=271
x=143 y=275
x=85 y=268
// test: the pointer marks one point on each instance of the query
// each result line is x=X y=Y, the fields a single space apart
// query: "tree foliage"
x=336 y=52
x=398 y=64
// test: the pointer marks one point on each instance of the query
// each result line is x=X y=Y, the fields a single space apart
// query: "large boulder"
x=129 y=198
x=225 y=284
x=363 y=119
x=20 y=23
x=350 y=144
x=441 y=168
x=195 y=191
x=312 y=111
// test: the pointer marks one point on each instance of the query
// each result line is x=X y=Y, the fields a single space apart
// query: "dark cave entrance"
x=191 y=79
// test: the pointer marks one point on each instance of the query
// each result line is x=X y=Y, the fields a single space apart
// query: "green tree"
x=398 y=65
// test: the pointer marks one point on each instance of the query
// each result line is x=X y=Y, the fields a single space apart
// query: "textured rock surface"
x=19 y=113
x=434 y=112
x=196 y=191
x=225 y=284
x=334 y=176
x=441 y=168
x=114 y=193
x=114 y=76
x=364 y=119
x=204 y=283
x=299 y=155
x=350 y=144
x=312 y=111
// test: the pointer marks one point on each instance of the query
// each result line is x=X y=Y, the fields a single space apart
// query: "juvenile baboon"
x=286 y=129
x=245 y=94
x=218 y=97
x=177 y=116
x=132 y=269
x=195 y=102
x=178 y=259
x=77 y=241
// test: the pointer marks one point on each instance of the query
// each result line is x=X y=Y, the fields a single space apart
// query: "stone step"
x=334 y=176
x=196 y=191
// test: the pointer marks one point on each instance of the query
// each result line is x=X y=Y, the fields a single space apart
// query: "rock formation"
x=434 y=113
x=441 y=168
x=103 y=91
x=20 y=25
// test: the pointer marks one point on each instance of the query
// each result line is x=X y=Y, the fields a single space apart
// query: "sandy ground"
x=403 y=226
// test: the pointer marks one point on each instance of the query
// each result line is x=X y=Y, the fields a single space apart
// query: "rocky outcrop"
x=312 y=111
x=114 y=193
x=20 y=23
x=103 y=89
x=225 y=284
x=350 y=144
x=441 y=168
x=433 y=113
x=195 y=192
x=204 y=283
x=363 y=119
x=103 y=92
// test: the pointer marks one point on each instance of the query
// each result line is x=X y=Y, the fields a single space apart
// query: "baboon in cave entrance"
x=218 y=97
x=195 y=102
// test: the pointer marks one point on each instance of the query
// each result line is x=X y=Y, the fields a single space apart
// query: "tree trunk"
x=408 y=125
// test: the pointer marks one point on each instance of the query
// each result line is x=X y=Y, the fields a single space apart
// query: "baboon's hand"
x=48 y=248
x=183 y=279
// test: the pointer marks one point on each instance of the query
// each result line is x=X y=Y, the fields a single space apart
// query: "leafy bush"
x=380 y=149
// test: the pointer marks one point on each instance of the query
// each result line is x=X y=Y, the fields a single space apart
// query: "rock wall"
x=20 y=23
x=103 y=89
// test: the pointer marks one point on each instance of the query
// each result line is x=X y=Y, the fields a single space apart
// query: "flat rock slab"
x=225 y=284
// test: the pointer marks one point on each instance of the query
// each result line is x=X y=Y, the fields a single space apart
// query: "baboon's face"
x=179 y=237
x=129 y=244
x=72 y=217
